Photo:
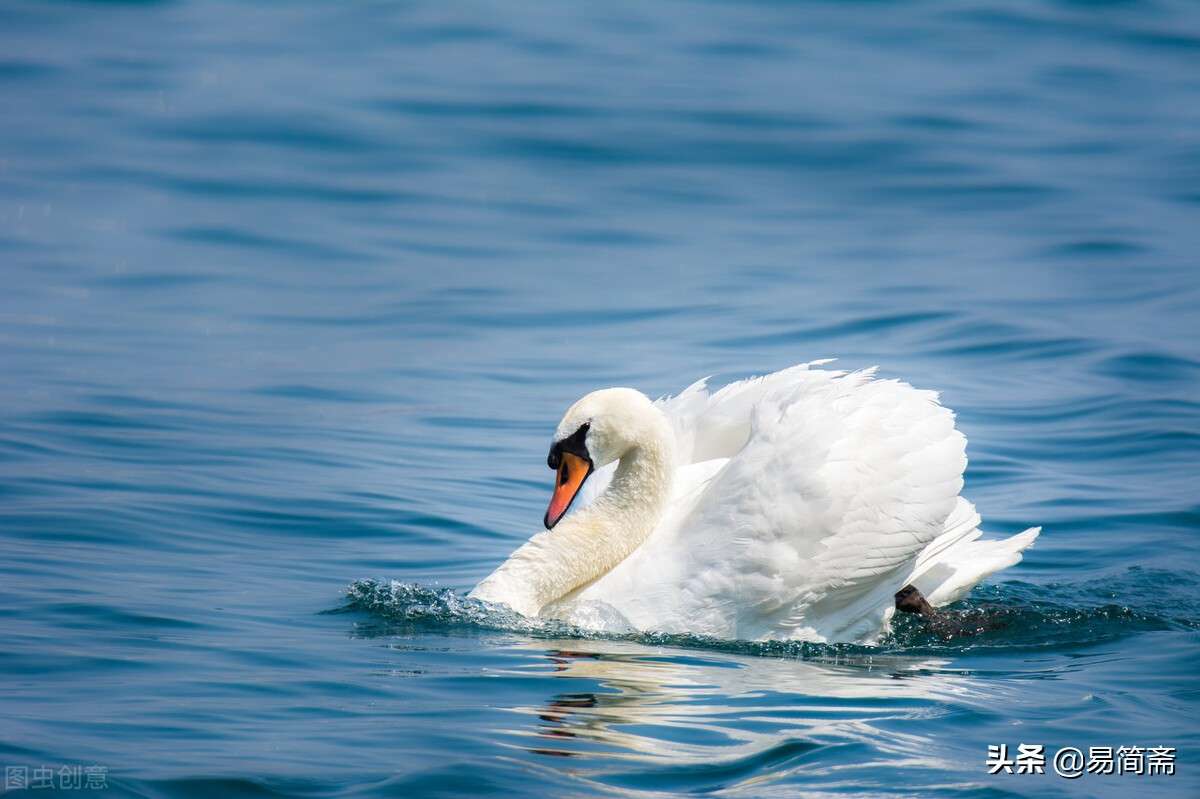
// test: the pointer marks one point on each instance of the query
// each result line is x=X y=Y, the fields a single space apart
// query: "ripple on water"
x=297 y=296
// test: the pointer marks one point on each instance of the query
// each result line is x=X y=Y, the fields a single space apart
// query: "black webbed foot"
x=948 y=624
x=910 y=600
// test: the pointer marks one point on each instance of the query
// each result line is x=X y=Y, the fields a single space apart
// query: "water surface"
x=294 y=294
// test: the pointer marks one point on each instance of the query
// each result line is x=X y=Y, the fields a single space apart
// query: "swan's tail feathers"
x=958 y=568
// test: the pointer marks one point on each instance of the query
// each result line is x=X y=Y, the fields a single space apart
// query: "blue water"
x=294 y=293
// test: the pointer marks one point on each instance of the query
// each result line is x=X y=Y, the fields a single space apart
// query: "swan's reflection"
x=671 y=706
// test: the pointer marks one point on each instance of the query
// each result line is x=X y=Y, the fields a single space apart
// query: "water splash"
x=1012 y=615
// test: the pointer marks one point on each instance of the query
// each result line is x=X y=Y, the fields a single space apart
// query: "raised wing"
x=841 y=483
x=719 y=425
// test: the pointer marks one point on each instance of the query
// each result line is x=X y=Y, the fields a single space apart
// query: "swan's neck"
x=592 y=541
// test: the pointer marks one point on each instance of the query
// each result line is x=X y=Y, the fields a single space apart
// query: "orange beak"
x=572 y=471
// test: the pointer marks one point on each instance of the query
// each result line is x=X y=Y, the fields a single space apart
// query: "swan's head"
x=595 y=431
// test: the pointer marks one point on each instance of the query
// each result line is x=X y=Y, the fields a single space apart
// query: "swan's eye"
x=575 y=444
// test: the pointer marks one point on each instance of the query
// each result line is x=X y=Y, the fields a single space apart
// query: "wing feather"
x=842 y=482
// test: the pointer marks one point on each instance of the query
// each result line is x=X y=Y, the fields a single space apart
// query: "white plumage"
x=793 y=506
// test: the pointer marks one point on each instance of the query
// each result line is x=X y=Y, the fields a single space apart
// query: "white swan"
x=790 y=506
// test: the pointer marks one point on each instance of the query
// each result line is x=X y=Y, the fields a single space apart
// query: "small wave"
x=1010 y=615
